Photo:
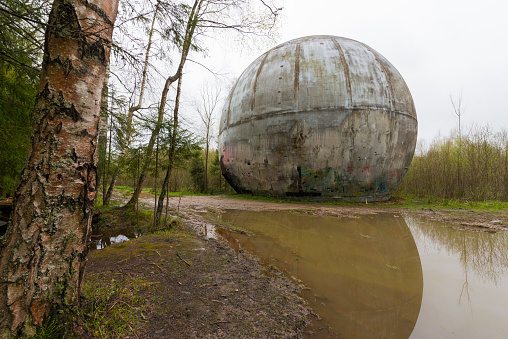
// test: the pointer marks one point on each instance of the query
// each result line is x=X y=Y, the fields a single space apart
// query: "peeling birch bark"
x=43 y=254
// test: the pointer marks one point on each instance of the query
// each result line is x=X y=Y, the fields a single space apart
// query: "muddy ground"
x=177 y=284
x=493 y=219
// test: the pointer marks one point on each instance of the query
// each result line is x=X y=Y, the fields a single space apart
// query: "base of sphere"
x=318 y=196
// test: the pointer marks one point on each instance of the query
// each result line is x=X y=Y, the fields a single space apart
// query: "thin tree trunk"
x=109 y=193
x=155 y=184
x=187 y=43
x=137 y=203
x=106 y=196
x=103 y=131
x=172 y=150
x=505 y=195
x=130 y=114
x=167 y=204
x=206 y=160
x=44 y=251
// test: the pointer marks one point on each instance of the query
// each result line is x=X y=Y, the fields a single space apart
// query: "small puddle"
x=365 y=276
x=101 y=239
x=207 y=230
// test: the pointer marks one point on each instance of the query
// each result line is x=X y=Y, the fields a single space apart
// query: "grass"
x=51 y=329
x=413 y=202
x=128 y=190
x=112 y=307
x=109 y=217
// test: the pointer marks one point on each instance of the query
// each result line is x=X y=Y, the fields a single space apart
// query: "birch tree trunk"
x=43 y=254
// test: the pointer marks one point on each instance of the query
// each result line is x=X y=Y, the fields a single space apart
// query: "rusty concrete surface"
x=320 y=117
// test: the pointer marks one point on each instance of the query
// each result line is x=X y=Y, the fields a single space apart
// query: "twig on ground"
x=179 y=257
x=157 y=266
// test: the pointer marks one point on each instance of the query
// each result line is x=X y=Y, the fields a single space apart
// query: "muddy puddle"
x=384 y=275
x=103 y=239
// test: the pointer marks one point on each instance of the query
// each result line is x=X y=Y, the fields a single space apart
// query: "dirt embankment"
x=182 y=286
x=177 y=284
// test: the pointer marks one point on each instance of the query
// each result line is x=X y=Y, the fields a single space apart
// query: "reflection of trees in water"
x=463 y=259
x=485 y=253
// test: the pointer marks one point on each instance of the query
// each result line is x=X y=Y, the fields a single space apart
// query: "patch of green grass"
x=183 y=192
x=239 y=229
x=112 y=308
x=52 y=329
x=413 y=202
x=121 y=246
x=124 y=188
x=112 y=217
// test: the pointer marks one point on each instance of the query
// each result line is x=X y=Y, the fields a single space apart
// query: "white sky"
x=441 y=47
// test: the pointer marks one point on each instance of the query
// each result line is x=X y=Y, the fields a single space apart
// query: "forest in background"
x=116 y=98
x=471 y=165
x=145 y=132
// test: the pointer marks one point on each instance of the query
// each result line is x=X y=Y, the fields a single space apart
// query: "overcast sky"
x=442 y=48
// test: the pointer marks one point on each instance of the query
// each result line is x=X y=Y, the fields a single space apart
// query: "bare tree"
x=172 y=150
x=132 y=109
x=459 y=110
x=210 y=98
x=44 y=251
x=187 y=45
x=204 y=16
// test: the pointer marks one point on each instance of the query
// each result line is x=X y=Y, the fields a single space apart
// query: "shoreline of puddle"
x=364 y=276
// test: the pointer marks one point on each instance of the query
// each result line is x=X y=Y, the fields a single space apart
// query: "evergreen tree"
x=21 y=39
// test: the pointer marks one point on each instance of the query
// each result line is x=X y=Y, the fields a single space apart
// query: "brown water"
x=387 y=275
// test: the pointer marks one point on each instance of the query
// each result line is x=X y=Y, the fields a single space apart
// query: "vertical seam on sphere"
x=346 y=72
x=253 y=101
x=383 y=69
x=229 y=105
x=297 y=72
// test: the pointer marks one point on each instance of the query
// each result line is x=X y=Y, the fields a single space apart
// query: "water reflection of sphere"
x=364 y=274
x=320 y=116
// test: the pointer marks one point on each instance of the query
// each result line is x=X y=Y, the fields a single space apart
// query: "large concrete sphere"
x=320 y=116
